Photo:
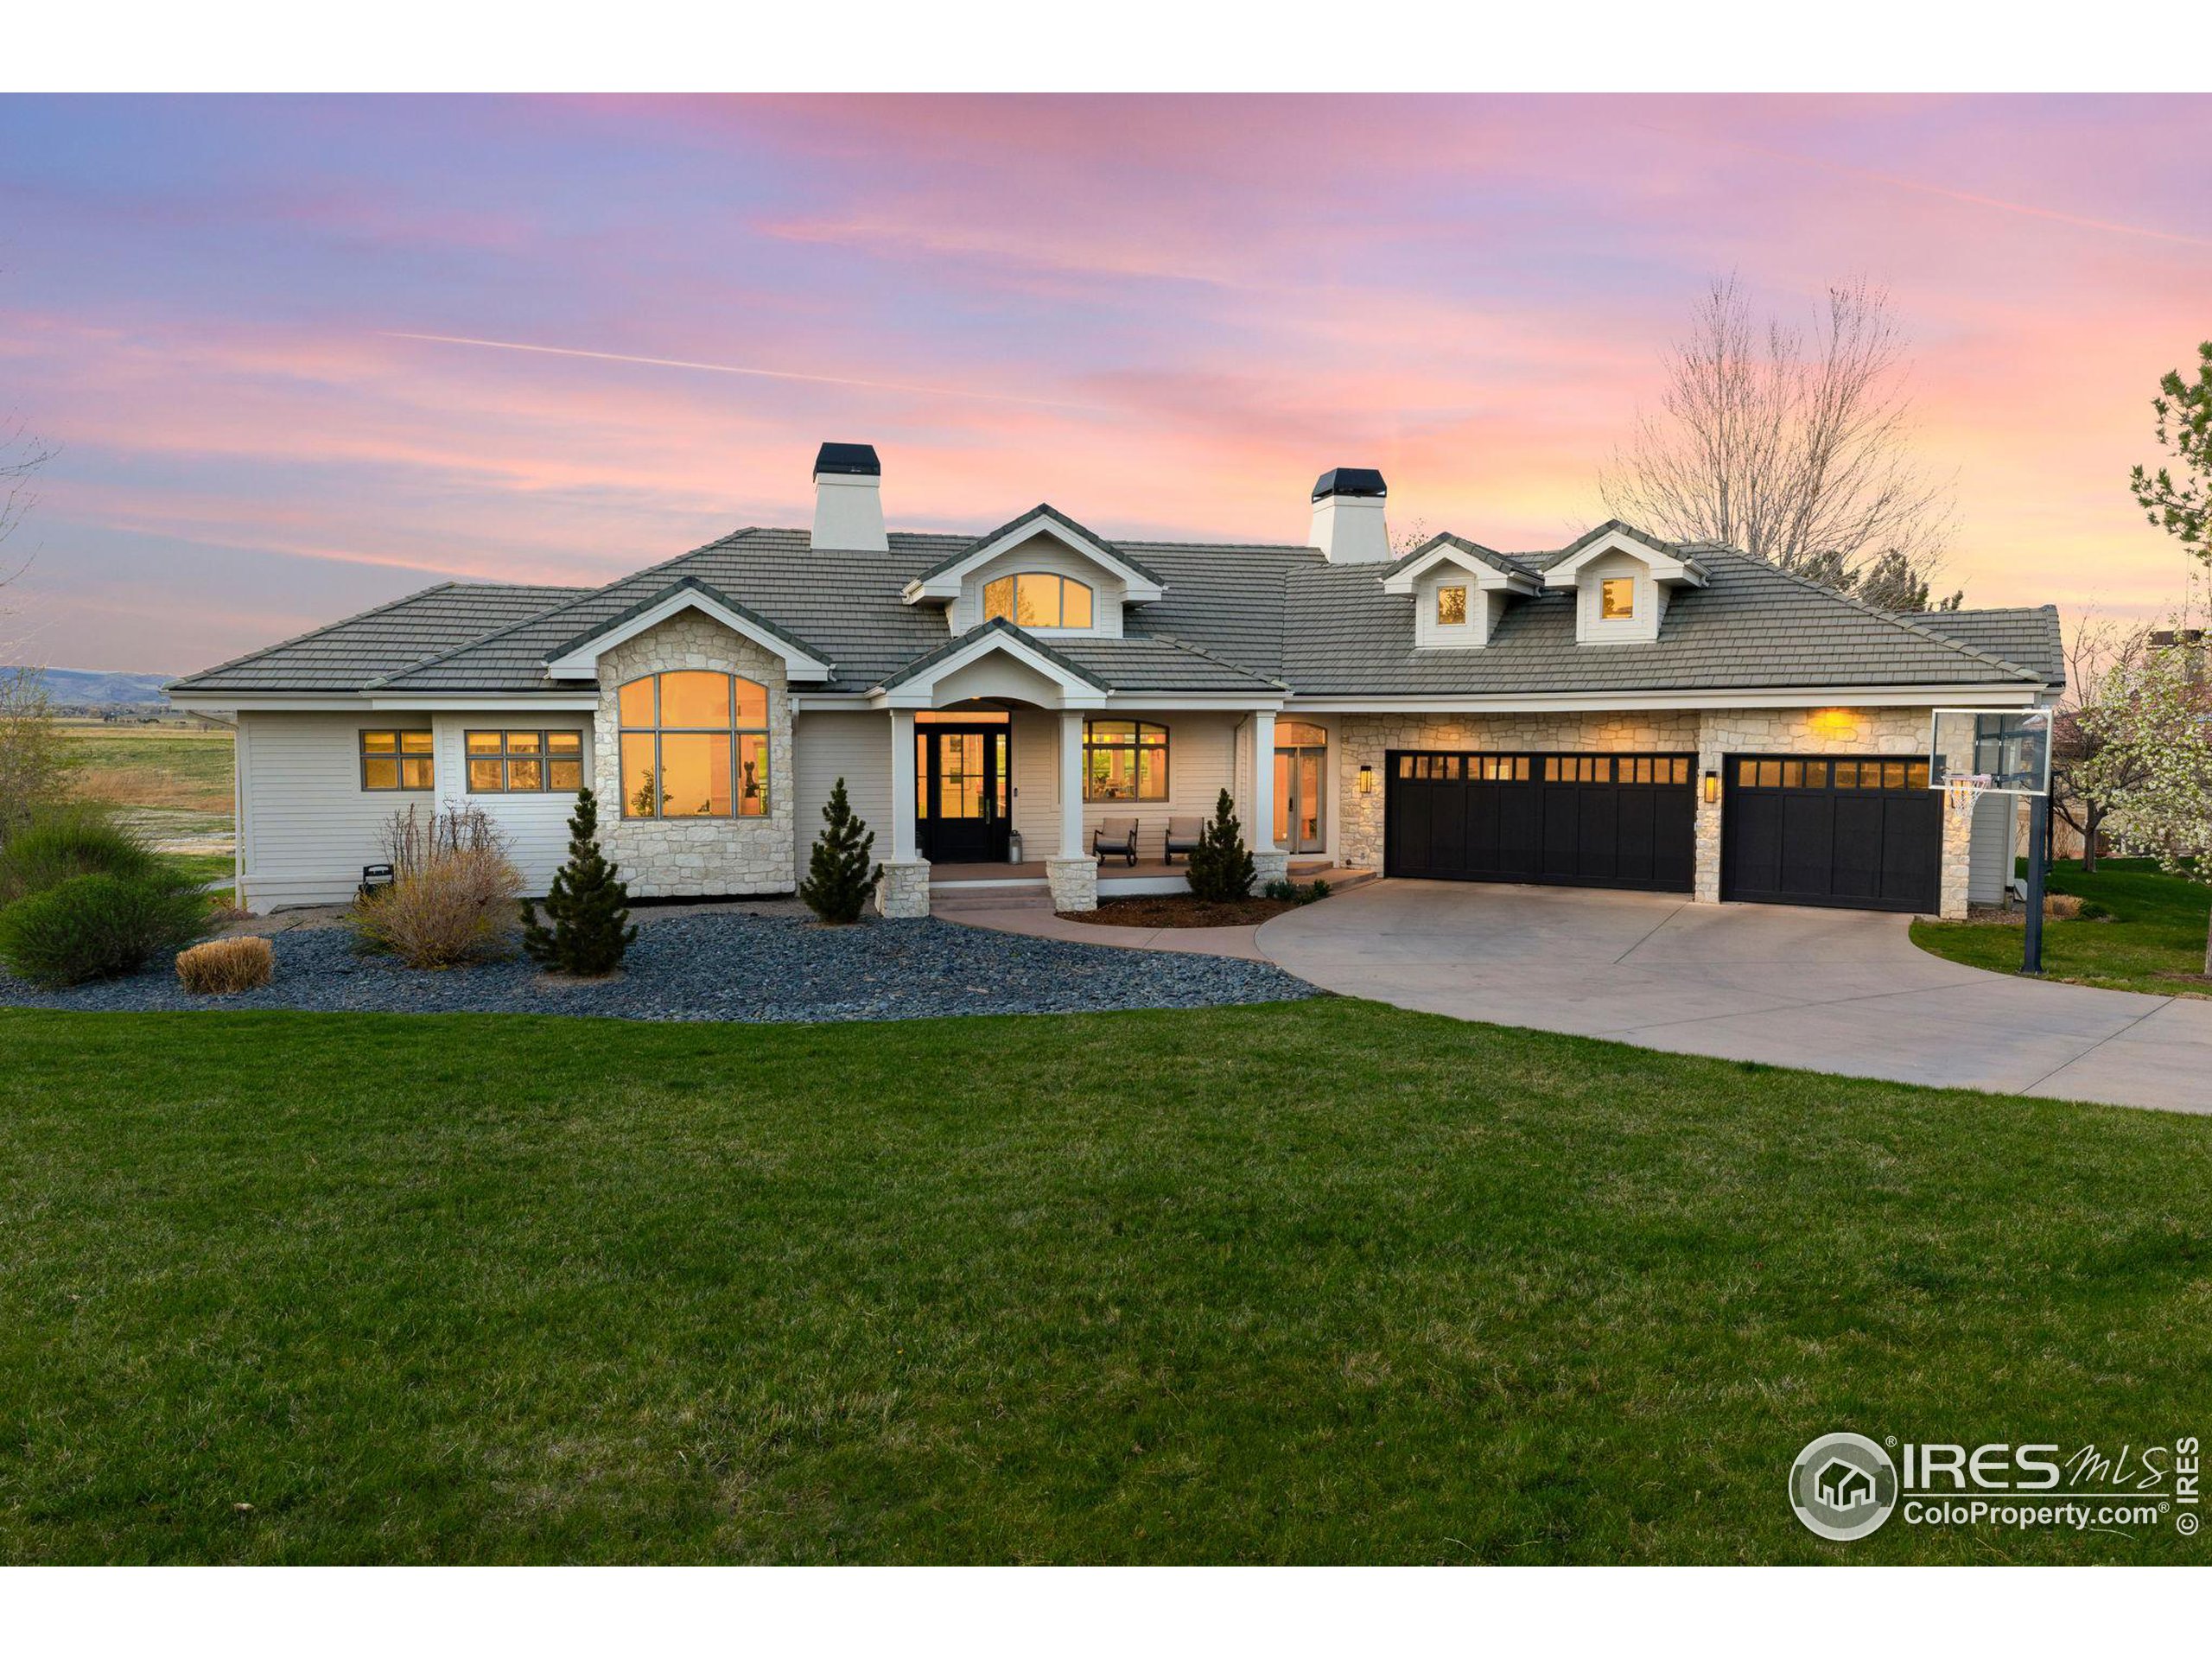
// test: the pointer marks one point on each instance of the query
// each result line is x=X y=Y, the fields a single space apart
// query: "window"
x=1617 y=599
x=1300 y=734
x=525 y=763
x=397 y=760
x=1451 y=607
x=1037 y=600
x=695 y=745
x=1124 y=760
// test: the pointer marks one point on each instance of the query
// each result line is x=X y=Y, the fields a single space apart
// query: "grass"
x=173 y=766
x=2152 y=940
x=1313 y=1282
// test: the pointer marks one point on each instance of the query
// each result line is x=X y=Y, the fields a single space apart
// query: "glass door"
x=1301 y=786
x=961 y=779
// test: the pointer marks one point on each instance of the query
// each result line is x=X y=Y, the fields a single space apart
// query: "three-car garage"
x=1864 y=833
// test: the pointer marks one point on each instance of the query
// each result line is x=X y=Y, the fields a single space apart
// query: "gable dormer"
x=1622 y=580
x=1460 y=590
x=1044 y=573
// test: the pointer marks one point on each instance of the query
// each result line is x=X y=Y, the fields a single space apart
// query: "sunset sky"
x=1164 y=316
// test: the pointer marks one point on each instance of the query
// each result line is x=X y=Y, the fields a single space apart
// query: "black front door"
x=961 y=780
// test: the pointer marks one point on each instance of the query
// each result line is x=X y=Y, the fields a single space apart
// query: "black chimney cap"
x=1349 y=480
x=856 y=459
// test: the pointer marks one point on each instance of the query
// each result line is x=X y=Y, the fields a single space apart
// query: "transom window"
x=1038 y=599
x=1124 y=760
x=1451 y=607
x=1617 y=599
x=397 y=760
x=695 y=745
x=525 y=763
x=1300 y=734
x=1832 y=774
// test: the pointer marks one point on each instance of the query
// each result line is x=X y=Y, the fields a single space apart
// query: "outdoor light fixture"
x=1367 y=780
x=1711 y=787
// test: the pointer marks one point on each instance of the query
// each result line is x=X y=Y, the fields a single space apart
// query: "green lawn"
x=2152 y=939
x=1306 y=1282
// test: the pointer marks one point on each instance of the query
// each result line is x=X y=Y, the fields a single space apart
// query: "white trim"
x=1487 y=577
x=1138 y=588
x=1998 y=697
x=583 y=663
x=921 y=692
x=279 y=702
x=1664 y=566
x=487 y=703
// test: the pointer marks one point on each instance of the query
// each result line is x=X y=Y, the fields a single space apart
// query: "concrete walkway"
x=1827 y=990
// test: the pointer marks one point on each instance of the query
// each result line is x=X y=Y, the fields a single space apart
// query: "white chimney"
x=1348 y=516
x=849 y=499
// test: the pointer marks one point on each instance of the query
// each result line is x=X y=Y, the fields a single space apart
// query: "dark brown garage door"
x=1815 y=829
x=1570 y=820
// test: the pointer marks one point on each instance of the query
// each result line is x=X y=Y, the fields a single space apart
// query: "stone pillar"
x=903 y=890
x=1073 y=875
x=1269 y=861
x=1705 y=881
x=1957 y=863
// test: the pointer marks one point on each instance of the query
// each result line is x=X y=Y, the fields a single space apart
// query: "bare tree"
x=2089 y=775
x=1797 y=450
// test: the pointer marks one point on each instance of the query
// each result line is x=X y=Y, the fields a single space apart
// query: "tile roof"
x=1232 y=617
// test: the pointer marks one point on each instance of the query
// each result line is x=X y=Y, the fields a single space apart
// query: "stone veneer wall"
x=672 y=858
x=1362 y=740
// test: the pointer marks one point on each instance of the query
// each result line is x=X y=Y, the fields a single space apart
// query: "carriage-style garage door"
x=1572 y=820
x=1813 y=830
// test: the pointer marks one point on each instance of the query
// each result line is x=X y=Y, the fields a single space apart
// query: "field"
x=173 y=783
x=1313 y=1282
x=2151 y=937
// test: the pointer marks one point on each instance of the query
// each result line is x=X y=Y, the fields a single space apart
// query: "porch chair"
x=1115 y=835
x=1183 y=836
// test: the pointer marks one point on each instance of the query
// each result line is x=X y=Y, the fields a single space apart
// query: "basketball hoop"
x=1962 y=789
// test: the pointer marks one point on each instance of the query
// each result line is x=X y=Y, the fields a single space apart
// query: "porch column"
x=903 y=891
x=1269 y=861
x=1074 y=874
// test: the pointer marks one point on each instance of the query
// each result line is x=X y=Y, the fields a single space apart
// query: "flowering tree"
x=2155 y=724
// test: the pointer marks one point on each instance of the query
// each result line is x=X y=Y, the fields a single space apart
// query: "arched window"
x=1038 y=599
x=1300 y=734
x=695 y=745
x=1124 y=760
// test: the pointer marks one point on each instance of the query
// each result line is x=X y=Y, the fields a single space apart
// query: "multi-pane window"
x=1616 y=598
x=1451 y=607
x=1124 y=760
x=1038 y=599
x=1831 y=774
x=695 y=745
x=397 y=760
x=525 y=763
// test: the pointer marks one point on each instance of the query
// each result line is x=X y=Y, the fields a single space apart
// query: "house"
x=1623 y=711
x=1844 y=1485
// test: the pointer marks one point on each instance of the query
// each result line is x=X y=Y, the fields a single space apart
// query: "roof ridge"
x=554 y=610
x=1198 y=650
x=1892 y=618
x=358 y=616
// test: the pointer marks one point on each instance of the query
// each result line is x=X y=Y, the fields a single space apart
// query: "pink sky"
x=1164 y=316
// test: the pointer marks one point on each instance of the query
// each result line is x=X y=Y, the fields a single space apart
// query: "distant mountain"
x=92 y=685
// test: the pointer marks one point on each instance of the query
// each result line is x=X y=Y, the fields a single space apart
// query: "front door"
x=961 y=785
x=1301 y=796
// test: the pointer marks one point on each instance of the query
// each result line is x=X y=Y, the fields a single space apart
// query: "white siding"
x=306 y=826
x=1989 y=859
x=854 y=747
x=1041 y=552
x=1591 y=628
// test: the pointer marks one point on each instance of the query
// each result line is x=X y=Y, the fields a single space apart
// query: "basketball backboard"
x=2007 y=753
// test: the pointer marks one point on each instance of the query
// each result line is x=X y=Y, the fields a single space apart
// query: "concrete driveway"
x=1828 y=991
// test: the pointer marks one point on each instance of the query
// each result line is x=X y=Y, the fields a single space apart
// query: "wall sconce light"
x=1367 y=780
x=1711 y=788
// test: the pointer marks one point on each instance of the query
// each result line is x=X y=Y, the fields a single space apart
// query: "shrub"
x=60 y=843
x=588 y=905
x=453 y=893
x=842 y=871
x=1296 y=893
x=95 y=927
x=1220 y=870
x=226 y=967
x=35 y=759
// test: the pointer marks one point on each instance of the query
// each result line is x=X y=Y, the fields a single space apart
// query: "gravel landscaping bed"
x=730 y=967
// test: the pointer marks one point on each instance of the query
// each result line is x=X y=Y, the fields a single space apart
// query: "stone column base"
x=1268 y=864
x=902 y=892
x=1074 y=882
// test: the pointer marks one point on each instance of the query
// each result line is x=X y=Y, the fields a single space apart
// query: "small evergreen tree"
x=1220 y=867
x=588 y=905
x=842 y=873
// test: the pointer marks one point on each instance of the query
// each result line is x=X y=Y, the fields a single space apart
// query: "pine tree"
x=1220 y=867
x=588 y=906
x=840 y=873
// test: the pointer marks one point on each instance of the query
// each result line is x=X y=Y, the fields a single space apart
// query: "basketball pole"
x=2038 y=859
